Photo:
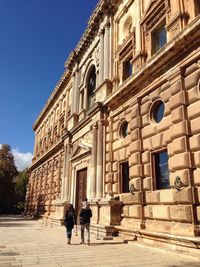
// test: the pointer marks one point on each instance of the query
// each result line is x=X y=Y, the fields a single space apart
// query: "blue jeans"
x=69 y=232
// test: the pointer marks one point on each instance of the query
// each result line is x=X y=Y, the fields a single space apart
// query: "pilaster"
x=93 y=162
x=107 y=51
x=101 y=57
x=100 y=161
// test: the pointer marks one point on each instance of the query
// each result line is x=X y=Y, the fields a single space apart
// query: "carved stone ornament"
x=132 y=189
x=110 y=195
x=178 y=183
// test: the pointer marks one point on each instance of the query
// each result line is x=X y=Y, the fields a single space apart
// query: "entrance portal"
x=81 y=190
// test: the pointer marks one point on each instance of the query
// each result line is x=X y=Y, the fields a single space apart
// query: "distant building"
x=122 y=126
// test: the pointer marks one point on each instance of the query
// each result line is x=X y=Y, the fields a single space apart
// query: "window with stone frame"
x=91 y=86
x=124 y=56
x=49 y=136
x=124 y=177
x=153 y=25
x=61 y=121
x=159 y=37
x=161 y=170
x=127 y=69
x=55 y=132
x=45 y=143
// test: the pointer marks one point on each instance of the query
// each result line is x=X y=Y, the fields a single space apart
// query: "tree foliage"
x=20 y=187
x=20 y=190
x=8 y=172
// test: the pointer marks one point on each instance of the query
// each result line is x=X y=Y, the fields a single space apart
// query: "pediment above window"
x=154 y=12
x=150 y=8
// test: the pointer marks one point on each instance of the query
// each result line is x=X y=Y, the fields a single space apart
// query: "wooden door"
x=81 y=190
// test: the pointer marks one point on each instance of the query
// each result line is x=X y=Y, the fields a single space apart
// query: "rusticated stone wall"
x=45 y=185
x=179 y=134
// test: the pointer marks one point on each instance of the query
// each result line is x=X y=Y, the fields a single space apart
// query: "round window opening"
x=198 y=87
x=124 y=129
x=157 y=111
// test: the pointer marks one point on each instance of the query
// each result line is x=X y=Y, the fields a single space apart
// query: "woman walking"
x=69 y=221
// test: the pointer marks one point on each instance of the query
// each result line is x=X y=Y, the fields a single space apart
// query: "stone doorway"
x=81 y=190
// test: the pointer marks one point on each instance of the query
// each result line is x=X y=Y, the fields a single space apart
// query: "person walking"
x=69 y=221
x=85 y=215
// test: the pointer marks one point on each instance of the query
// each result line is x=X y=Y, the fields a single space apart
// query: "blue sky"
x=36 y=37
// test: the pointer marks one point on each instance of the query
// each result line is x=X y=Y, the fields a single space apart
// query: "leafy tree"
x=20 y=189
x=8 y=172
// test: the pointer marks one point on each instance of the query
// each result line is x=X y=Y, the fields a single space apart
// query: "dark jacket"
x=70 y=219
x=85 y=215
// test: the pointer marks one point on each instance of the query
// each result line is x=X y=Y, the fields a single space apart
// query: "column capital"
x=101 y=122
x=107 y=24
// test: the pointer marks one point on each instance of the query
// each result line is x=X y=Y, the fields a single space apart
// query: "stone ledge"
x=175 y=242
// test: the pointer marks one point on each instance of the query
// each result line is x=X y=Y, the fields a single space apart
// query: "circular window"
x=124 y=129
x=198 y=87
x=157 y=111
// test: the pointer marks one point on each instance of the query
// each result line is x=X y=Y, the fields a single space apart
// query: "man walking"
x=85 y=215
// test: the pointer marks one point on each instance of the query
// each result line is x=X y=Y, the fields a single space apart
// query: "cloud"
x=22 y=160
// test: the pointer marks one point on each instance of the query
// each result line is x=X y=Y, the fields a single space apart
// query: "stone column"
x=73 y=92
x=59 y=124
x=100 y=161
x=54 y=122
x=138 y=36
x=85 y=98
x=80 y=102
x=101 y=56
x=106 y=51
x=72 y=186
x=93 y=162
x=65 y=176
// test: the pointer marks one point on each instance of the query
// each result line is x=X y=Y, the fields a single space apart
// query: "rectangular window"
x=82 y=101
x=159 y=38
x=127 y=69
x=161 y=170
x=124 y=169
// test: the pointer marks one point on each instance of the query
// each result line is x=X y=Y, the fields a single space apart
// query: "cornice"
x=47 y=155
x=103 y=8
x=157 y=64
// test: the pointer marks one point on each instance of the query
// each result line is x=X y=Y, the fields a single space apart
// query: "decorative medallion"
x=132 y=189
x=178 y=183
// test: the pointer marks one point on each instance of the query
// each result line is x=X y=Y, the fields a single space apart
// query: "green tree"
x=22 y=181
x=8 y=172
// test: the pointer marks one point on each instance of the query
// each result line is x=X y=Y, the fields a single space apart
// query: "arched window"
x=128 y=27
x=91 y=86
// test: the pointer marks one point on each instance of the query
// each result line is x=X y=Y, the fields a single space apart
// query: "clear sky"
x=36 y=37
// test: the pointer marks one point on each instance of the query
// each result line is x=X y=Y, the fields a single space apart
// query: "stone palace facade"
x=122 y=126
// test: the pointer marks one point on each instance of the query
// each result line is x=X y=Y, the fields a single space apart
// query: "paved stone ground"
x=29 y=243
